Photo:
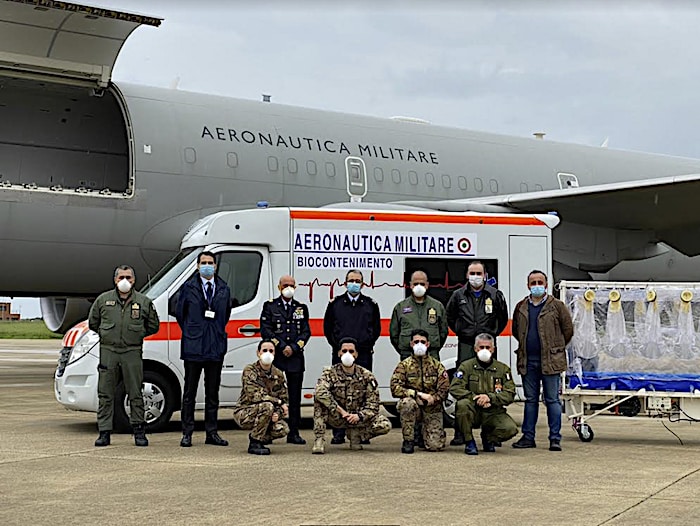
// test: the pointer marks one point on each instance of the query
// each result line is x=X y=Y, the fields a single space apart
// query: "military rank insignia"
x=432 y=316
x=135 y=311
x=497 y=385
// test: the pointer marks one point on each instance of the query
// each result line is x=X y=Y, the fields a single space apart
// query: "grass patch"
x=26 y=330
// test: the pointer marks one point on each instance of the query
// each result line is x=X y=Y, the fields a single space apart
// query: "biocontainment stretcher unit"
x=635 y=350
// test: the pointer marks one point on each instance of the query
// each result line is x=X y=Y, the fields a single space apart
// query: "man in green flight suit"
x=483 y=387
x=418 y=311
x=123 y=318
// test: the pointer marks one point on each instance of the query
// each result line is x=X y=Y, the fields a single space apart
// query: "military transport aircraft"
x=93 y=174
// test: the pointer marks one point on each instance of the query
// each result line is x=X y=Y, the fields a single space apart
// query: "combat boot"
x=103 y=439
x=140 y=435
x=418 y=436
x=470 y=448
x=319 y=446
x=256 y=447
x=458 y=440
x=355 y=439
x=407 y=447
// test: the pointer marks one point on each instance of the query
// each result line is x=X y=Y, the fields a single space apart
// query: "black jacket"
x=468 y=315
x=203 y=339
x=286 y=327
x=360 y=320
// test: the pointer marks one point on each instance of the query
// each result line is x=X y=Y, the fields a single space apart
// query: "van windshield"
x=169 y=273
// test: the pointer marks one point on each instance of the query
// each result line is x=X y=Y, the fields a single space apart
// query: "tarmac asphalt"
x=634 y=472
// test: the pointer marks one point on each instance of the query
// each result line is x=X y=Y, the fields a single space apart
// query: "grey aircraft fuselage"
x=185 y=155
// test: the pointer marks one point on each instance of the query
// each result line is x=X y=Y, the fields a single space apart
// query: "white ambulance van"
x=317 y=246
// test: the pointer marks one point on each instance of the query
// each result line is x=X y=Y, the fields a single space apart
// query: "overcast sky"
x=581 y=72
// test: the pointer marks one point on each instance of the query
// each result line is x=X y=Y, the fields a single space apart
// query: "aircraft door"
x=526 y=253
x=356 y=178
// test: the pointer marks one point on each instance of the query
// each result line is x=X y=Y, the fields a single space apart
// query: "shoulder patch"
x=459 y=374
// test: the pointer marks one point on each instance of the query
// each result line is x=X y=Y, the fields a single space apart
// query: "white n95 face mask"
x=288 y=292
x=419 y=291
x=476 y=281
x=266 y=358
x=484 y=355
x=124 y=286
x=420 y=349
x=348 y=359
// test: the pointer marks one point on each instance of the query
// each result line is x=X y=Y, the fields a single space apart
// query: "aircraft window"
x=272 y=164
x=241 y=271
x=292 y=166
x=445 y=275
x=190 y=155
x=494 y=186
x=446 y=181
x=232 y=159
x=396 y=176
x=478 y=184
x=538 y=188
x=429 y=179
x=413 y=177
x=311 y=167
x=523 y=187
x=462 y=182
x=330 y=169
x=172 y=269
x=378 y=175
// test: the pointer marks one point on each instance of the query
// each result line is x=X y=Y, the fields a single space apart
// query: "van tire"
x=159 y=402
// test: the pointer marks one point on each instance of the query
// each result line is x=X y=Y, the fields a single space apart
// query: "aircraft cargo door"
x=526 y=253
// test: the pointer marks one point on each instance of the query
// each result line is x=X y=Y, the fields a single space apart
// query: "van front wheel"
x=158 y=400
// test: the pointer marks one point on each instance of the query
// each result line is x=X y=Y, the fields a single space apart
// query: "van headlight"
x=84 y=345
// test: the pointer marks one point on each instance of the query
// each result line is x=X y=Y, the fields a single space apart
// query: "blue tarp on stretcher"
x=634 y=381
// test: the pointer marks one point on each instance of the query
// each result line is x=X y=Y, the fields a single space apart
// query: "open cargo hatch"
x=60 y=39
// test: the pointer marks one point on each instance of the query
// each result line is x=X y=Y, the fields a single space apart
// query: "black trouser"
x=294 y=383
x=212 y=381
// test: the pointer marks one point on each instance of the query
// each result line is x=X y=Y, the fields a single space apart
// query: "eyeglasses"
x=343 y=351
x=424 y=342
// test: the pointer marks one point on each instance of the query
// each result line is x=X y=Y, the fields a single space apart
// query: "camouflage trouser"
x=258 y=417
x=433 y=431
x=496 y=426
x=379 y=425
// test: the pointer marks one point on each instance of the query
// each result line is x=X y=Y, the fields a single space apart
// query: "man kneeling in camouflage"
x=347 y=397
x=263 y=401
x=422 y=384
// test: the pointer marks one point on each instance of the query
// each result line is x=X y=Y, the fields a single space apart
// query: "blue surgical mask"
x=207 y=271
x=353 y=288
x=537 y=291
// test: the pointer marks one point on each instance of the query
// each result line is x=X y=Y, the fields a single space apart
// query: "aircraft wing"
x=667 y=206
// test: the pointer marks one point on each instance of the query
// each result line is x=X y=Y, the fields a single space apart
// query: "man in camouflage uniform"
x=123 y=318
x=422 y=384
x=418 y=311
x=347 y=397
x=263 y=402
x=483 y=387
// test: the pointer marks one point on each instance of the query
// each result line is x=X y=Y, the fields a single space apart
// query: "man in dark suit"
x=285 y=322
x=203 y=310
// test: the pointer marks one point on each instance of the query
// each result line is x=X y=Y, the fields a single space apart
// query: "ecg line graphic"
x=372 y=285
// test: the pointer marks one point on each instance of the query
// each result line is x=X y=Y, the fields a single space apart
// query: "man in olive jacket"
x=543 y=327
x=418 y=311
x=123 y=318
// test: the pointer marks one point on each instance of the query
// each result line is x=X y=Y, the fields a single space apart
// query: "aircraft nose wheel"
x=585 y=432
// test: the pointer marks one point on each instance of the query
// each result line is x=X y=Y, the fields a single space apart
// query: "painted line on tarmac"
x=29 y=351
x=29 y=360
x=23 y=385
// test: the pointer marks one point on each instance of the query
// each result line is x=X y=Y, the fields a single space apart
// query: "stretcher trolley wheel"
x=585 y=432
